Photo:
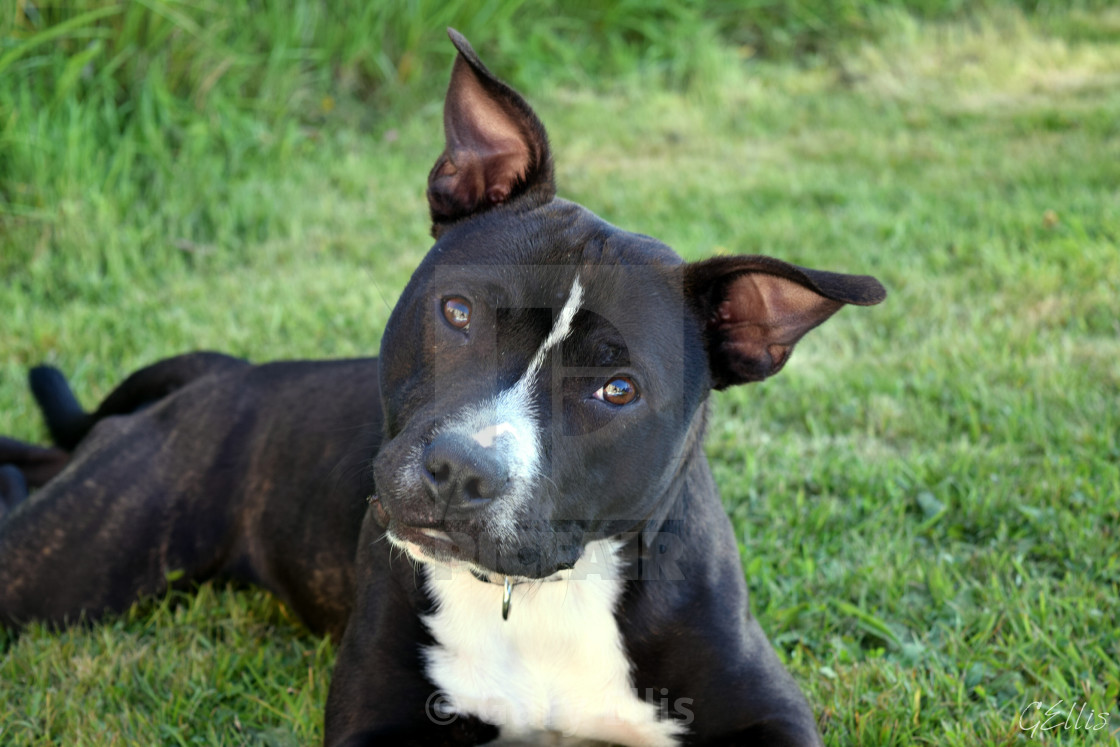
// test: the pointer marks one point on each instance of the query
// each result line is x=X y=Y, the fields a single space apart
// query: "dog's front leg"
x=379 y=693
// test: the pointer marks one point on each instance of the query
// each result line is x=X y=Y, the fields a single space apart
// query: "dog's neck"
x=508 y=582
x=558 y=665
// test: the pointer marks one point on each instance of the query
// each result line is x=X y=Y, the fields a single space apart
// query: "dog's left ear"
x=497 y=148
x=757 y=308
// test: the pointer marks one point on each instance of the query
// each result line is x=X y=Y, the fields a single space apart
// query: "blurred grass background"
x=928 y=496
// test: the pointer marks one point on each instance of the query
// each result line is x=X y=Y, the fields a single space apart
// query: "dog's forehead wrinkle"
x=558 y=232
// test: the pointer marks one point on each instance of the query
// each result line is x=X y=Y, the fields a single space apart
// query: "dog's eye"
x=618 y=391
x=457 y=312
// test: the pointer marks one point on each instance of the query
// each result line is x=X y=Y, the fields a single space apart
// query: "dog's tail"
x=67 y=421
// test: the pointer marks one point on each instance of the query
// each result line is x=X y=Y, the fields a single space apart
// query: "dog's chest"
x=557 y=666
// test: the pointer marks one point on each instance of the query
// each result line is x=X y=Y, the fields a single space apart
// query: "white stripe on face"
x=517 y=405
x=560 y=330
x=488 y=435
x=508 y=422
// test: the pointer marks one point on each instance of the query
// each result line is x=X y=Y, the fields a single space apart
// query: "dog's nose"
x=459 y=472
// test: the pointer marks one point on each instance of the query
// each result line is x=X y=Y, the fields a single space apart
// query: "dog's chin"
x=437 y=547
x=427 y=545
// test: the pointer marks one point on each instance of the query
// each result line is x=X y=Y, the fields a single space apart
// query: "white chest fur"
x=556 y=665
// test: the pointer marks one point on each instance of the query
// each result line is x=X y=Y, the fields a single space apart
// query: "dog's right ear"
x=496 y=150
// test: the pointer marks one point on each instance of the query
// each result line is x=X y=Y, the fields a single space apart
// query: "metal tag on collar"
x=507 y=594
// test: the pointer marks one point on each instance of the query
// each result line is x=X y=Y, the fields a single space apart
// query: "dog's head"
x=544 y=373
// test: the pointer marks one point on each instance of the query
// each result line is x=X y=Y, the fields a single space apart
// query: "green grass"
x=928 y=496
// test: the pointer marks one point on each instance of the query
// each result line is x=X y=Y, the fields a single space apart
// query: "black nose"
x=460 y=473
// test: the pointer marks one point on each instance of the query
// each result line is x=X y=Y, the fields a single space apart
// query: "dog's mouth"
x=427 y=544
x=422 y=543
x=529 y=551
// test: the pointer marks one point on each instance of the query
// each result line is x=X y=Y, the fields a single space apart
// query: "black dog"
x=538 y=549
